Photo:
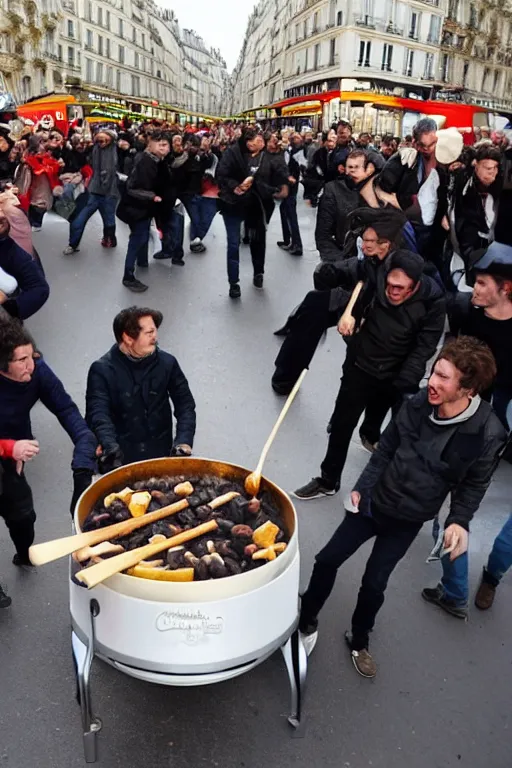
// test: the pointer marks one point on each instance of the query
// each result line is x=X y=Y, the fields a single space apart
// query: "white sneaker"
x=69 y=249
x=36 y=229
x=309 y=641
x=195 y=241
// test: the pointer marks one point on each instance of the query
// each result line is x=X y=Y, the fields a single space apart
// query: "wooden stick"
x=252 y=481
x=97 y=573
x=352 y=301
x=48 y=551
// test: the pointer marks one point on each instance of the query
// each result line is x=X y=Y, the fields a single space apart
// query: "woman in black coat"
x=249 y=179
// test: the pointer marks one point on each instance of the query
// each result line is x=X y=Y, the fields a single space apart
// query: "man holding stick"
x=444 y=440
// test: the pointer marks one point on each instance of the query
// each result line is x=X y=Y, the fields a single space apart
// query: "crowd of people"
x=415 y=271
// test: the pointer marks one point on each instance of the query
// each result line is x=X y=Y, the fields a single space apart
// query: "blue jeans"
x=107 y=208
x=233 y=223
x=207 y=211
x=137 y=252
x=192 y=206
x=455 y=581
x=500 y=558
x=173 y=230
x=290 y=222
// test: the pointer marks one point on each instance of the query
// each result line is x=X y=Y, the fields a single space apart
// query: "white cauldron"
x=191 y=633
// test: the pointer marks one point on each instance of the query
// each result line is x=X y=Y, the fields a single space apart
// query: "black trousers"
x=17 y=508
x=357 y=392
x=392 y=540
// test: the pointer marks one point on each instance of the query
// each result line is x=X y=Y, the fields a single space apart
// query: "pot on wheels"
x=190 y=633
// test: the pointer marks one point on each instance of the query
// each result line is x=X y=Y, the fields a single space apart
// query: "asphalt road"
x=442 y=695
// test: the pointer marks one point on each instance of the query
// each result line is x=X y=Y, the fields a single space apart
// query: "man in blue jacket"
x=128 y=393
x=33 y=290
x=23 y=382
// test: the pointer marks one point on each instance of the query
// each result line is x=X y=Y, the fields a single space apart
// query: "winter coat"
x=338 y=200
x=137 y=417
x=18 y=398
x=104 y=167
x=473 y=219
x=418 y=463
x=32 y=286
x=503 y=230
x=271 y=175
x=149 y=178
x=192 y=173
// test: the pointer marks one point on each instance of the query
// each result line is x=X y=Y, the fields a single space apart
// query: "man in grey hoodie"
x=103 y=193
x=444 y=440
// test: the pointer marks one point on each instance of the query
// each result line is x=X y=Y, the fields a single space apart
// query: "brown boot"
x=484 y=598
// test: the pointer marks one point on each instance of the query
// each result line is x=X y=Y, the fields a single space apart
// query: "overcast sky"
x=221 y=23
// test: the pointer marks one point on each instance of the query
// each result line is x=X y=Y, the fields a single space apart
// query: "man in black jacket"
x=144 y=190
x=295 y=159
x=128 y=392
x=443 y=440
x=386 y=358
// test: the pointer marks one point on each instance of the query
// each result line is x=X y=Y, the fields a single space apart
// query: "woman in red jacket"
x=19 y=451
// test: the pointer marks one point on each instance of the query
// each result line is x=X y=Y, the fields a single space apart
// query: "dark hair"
x=34 y=144
x=501 y=274
x=488 y=152
x=193 y=139
x=387 y=139
x=250 y=133
x=127 y=321
x=12 y=335
x=473 y=359
x=408 y=137
x=423 y=126
x=345 y=123
x=158 y=136
x=325 y=135
x=359 y=153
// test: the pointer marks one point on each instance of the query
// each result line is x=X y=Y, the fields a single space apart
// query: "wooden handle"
x=97 y=573
x=48 y=551
x=351 y=302
x=286 y=408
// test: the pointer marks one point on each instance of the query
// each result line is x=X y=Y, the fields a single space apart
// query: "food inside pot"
x=250 y=531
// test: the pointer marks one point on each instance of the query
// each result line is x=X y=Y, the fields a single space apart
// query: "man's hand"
x=109 y=460
x=157 y=199
x=292 y=179
x=283 y=193
x=24 y=450
x=182 y=450
x=3 y=297
x=355 y=498
x=346 y=325
x=455 y=541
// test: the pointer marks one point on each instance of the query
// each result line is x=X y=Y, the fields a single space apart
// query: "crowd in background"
x=419 y=224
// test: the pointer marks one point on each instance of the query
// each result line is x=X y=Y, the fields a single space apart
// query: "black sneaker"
x=134 y=285
x=234 y=291
x=362 y=660
x=436 y=596
x=283 y=245
x=367 y=443
x=179 y=262
x=22 y=562
x=160 y=255
x=295 y=251
x=143 y=266
x=257 y=281
x=245 y=240
x=5 y=600
x=315 y=489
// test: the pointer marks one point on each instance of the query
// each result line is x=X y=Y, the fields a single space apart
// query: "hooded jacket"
x=420 y=460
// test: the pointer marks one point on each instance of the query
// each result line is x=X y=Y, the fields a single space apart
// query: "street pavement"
x=442 y=695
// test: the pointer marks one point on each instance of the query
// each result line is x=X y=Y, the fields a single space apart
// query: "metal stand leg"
x=297 y=665
x=83 y=656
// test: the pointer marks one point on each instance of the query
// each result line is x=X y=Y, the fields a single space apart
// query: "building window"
x=107 y=20
x=121 y=54
x=465 y=74
x=435 y=28
x=429 y=66
x=121 y=28
x=332 y=51
x=88 y=39
x=495 y=87
x=445 y=62
x=59 y=52
x=110 y=77
x=317 y=56
x=473 y=16
x=99 y=72
x=305 y=29
x=118 y=81
x=339 y=18
x=315 y=23
x=143 y=43
x=71 y=56
x=107 y=47
x=100 y=45
x=135 y=85
x=414 y=27
x=387 y=58
x=71 y=28
x=100 y=16
x=365 y=53
x=296 y=32
x=272 y=93
x=88 y=10
x=306 y=60
x=136 y=61
x=409 y=62
x=88 y=70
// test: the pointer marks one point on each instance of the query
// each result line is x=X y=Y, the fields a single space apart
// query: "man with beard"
x=340 y=197
x=128 y=394
x=445 y=439
x=397 y=332
x=322 y=308
x=485 y=315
